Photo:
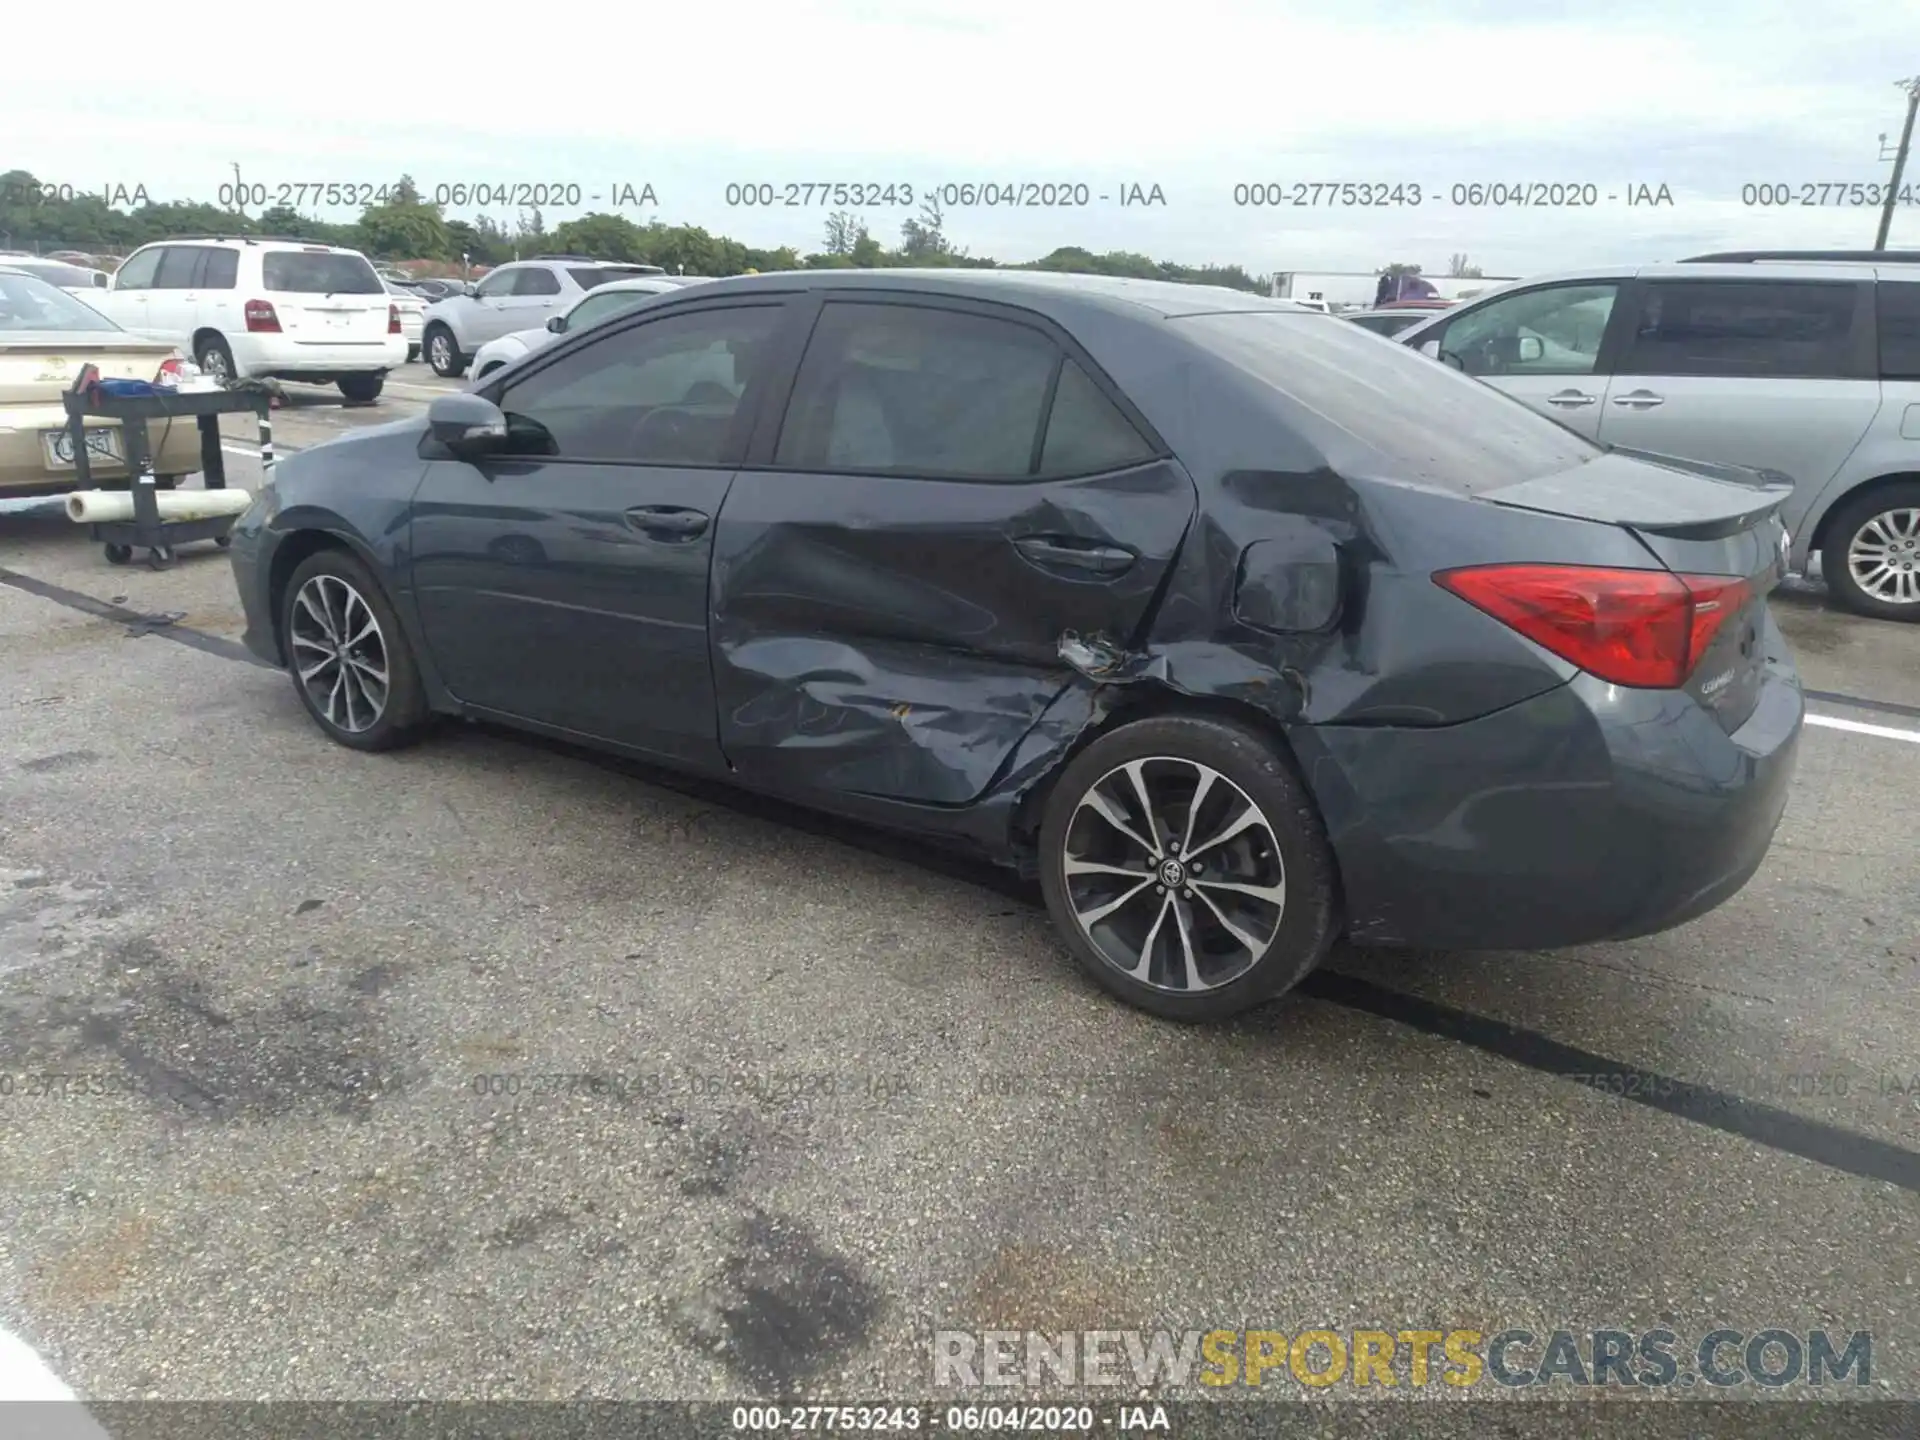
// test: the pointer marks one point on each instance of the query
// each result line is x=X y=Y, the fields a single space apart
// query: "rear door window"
x=177 y=264
x=310 y=272
x=1086 y=433
x=1762 y=329
x=1899 y=304
x=536 y=282
x=919 y=390
x=1426 y=420
x=222 y=270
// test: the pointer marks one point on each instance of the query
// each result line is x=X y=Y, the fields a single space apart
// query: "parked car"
x=1389 y=319
x=590 y=309
x=255 y=307
x=1239 y=628
x=46 y=336
x=1807 y=366
x=520 y=295
x=412 y=306
x=80 y=280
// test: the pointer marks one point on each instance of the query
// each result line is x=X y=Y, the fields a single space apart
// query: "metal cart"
x=147 y=530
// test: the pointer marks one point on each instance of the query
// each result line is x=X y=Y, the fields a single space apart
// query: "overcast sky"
x=1194 y=97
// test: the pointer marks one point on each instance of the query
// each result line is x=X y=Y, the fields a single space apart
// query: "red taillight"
x=1643 y=628
x=261 y=319
x=172 y=366
x=393 y=320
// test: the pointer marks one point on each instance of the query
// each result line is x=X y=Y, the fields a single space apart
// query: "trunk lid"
x=35 y=371
x=1699 y=520
x=325 y=297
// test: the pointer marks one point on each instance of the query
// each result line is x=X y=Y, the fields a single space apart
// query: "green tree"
x=605 y=237
x=402 y=231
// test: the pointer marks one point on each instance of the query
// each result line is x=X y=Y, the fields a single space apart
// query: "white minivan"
x=248 y=308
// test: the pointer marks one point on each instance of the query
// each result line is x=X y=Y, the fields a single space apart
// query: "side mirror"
x=99 y=280
x=467 y=424
x=1430 y=349
x=1530 y=349
x=557 y=324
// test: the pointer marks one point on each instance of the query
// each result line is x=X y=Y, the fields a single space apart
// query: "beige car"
x=46 y=335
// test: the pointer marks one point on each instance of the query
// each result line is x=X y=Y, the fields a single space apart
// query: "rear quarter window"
x=1899 y=303
x=1426 y=421
x=307 y=272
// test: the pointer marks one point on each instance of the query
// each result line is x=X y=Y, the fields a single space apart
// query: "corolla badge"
x=1718 y=683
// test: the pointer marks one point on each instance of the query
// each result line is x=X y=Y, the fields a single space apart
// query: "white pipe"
x=96 y=507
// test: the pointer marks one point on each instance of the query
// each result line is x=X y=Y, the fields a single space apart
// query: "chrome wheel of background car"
x=440 y=351
x=1884 y=556
x=339 y=653
x=213 y=359
x=1174 y=875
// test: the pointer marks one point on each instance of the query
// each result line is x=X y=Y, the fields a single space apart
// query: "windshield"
x=588 y=277
x=1430 y=422
x=595 y=308
x=310 y=272
x=27 y=303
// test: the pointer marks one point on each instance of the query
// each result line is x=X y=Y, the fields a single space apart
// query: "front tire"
x=362 y=389
x=1871 y=556
x=443 y=353
x=350 y=661
x=1239 y=923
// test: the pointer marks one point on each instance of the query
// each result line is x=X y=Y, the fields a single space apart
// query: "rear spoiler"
x=1730 y=499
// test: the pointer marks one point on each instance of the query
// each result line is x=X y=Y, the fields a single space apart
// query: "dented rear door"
x=948 y=497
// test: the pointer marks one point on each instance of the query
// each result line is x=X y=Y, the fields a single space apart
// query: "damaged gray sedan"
x=1240 y=630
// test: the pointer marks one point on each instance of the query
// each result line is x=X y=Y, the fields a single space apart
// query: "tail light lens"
x=1641 y=628
x=261 y=318
x=393 y=319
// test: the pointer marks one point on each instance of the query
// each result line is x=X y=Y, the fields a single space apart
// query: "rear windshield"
x=56 y=273
x=1428 y=421
x=30 y=304
x=307 y=272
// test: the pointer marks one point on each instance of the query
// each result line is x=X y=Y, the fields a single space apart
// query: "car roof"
x=643 y=282
x=1165 y=298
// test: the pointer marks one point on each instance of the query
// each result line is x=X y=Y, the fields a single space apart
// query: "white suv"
x=520 y=295
x=253 y=307
x=1803 y=362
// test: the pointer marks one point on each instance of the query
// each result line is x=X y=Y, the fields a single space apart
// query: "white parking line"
x=1856 y=727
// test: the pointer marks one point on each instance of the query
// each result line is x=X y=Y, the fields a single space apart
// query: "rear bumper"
x=258 y=355
x=1588 y=813
x=23 y=459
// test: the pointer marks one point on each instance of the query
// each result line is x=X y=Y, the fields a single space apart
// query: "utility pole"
x=239 y=189
x=1912 y=87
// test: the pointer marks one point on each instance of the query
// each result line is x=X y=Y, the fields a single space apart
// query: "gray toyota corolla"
x=1239 y=627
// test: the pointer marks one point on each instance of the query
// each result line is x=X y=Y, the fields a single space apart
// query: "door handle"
x=669 y=522
x=1570 y=399
x=1639 y=400
x=1075 y=553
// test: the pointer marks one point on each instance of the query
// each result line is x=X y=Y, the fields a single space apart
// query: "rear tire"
x=362 y=389
x=1871 y=555
x=413 y=353
x=332 y=598
x=214 y=357
x=443 y=353
x=1248 y=921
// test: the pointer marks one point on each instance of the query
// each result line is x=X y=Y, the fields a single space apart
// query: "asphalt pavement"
x=851 y=1094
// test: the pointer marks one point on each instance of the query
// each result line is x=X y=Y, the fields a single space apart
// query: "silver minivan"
x=1806 y=366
